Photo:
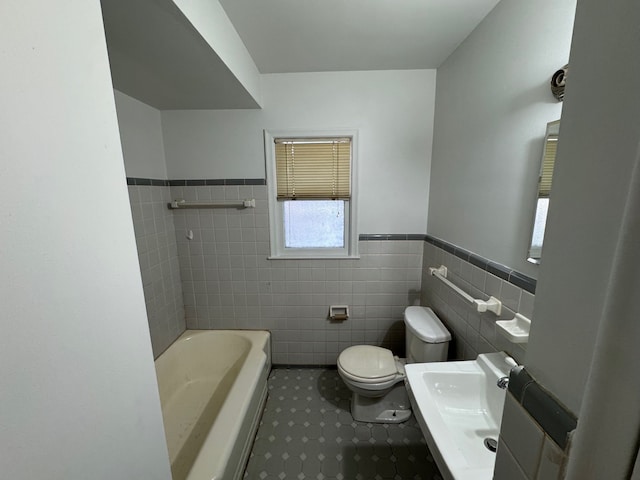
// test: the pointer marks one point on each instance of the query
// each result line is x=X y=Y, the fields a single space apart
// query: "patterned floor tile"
x=307 y=433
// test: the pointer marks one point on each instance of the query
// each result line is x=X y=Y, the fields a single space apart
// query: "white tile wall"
x=158 y=256
x=473 y=333
x=222 y=279
x=229 y=283
x=507 y=467
x=523 y=436
x=524 y=450
x=552 y=461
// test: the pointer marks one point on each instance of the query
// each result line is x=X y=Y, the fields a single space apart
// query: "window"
x=310 y=180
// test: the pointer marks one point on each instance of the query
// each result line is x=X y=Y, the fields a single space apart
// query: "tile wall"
x=536 y=428
x=474 y=333
x=221 y=278
x=158 y=256
x=228 y=282
x=527 y=450
x=536 y=432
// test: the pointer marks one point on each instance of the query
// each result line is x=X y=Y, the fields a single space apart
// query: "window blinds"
x=313 y=168
x=548 y=161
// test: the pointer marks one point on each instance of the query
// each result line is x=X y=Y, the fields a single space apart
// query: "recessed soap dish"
x=516 y=330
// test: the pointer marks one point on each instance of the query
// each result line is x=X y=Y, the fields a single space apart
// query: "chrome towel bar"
x=181 y=204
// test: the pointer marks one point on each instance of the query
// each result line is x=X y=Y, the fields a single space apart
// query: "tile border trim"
x=195 y=182
x=153 y=182
x=363 y=237
x=501 y=271
x=556 y=420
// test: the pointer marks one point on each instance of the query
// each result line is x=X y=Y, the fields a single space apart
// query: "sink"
x=459 y=408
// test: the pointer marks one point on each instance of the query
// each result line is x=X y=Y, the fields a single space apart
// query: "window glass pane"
x=314 y=223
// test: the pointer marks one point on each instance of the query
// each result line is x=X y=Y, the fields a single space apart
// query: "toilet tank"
x=427 y=339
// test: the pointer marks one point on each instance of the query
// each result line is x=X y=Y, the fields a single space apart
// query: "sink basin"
x=458 y=406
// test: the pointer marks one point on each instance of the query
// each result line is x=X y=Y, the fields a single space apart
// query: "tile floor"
x=307 y=432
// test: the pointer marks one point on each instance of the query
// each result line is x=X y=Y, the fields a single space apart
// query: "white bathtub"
x=213 y=385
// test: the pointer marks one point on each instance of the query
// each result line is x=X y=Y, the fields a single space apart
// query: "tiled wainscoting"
x=474 y=332
x=535 y=432
x=535 y=427
x=228 y=282
x=210 y=267
x=158 y=256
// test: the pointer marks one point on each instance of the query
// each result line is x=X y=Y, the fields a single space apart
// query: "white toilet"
x=376 y=377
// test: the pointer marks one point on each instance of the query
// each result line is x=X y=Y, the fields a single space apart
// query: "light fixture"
x=558 y=81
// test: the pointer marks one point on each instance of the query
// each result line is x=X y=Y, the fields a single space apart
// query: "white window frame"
x=276 y=220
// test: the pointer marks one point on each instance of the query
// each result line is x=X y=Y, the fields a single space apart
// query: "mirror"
x=544 y=188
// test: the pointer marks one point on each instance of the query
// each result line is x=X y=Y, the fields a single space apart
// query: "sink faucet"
x=503 y=382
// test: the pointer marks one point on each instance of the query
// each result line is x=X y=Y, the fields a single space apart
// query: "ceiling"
x=338 y=35
x=158 y=56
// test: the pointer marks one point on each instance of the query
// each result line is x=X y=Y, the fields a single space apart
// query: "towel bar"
x=492 y=305
x=180 y=204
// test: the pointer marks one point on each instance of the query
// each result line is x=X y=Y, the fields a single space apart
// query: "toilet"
x=376 y=378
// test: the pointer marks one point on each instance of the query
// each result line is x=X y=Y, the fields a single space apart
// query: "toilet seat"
x=367 y=364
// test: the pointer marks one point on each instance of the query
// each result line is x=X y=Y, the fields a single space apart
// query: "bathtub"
x=213 y=385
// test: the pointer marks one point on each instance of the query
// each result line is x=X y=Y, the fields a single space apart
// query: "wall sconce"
x=558 y=81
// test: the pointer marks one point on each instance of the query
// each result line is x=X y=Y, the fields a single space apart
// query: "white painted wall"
x=141 y=136
x=492 y=105
x=392 y=110
x=79 y=396
x=212 y=22
x=599 y=142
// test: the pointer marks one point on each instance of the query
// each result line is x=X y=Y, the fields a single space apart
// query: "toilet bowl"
x=370 y=370
x=376 y=377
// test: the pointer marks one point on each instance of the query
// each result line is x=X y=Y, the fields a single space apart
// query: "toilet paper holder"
x=338 y=313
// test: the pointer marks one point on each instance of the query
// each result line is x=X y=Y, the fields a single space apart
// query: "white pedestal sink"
x=458 y=406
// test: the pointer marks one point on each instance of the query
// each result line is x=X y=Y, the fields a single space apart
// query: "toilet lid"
x=368 y=363
x=426 y=325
